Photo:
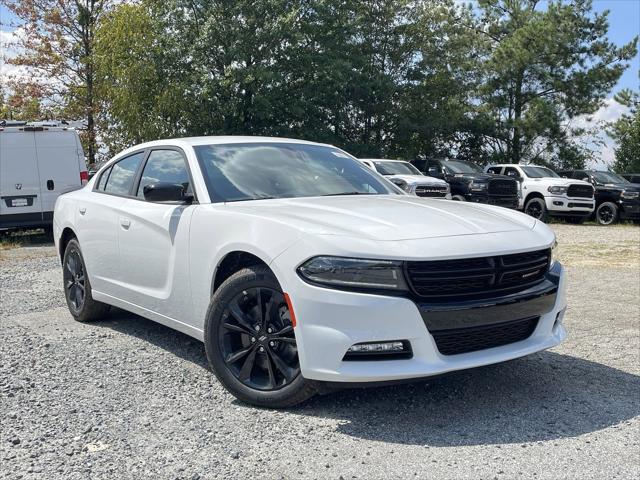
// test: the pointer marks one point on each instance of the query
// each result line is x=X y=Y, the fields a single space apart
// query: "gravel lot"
x=127 y=398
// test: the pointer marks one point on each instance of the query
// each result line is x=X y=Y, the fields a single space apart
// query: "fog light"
x=557 y=203
x=379 y=350
x=376 y=347
x=559 y=317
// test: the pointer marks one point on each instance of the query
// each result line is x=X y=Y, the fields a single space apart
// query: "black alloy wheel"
x=257 y=341
x=74 y=280
x=537 y=209
x=607 y=213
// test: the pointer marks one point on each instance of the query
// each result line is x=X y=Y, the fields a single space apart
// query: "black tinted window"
x=512 y=172
x=122 y=174
x=495 y=170
x=103 y=179
x=164 y=166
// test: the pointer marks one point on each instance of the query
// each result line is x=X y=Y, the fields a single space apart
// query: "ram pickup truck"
x=469 y=183
x=616 y=197
x=545 y=193
x=409 y=178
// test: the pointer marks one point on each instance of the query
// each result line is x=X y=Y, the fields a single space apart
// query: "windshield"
x=539 y=172
x=459 y=166
x=254 y=171
x=396 y=168
x=607 y=177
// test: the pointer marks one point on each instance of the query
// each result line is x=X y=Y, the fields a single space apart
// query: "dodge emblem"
x=18 y=186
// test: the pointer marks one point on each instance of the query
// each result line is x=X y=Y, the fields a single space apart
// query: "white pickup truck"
x=409 y=178
x=545 y=193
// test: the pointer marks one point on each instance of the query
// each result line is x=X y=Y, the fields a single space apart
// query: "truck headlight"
x=355 y=273
x=477 y=187
x=630 y=195
x=557 y=190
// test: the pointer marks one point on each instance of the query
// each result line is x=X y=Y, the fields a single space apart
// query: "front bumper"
x=562 y=205
x=330 y=321
x=630 y=209
x=497 y=200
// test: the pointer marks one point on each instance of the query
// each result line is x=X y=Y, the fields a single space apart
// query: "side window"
x=433 y=167
x=123 y=174
x=495 y=170
x=103 y=179
x=166 y=166
x=511 y=172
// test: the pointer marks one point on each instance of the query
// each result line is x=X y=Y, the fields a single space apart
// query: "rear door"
x=154 y=240
x=20 y=198
x=58 y=155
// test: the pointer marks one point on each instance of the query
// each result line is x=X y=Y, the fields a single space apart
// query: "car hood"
x=385 y=217
x=628 y=187
x=480 y=177
x=560 y=182
x=418 y=180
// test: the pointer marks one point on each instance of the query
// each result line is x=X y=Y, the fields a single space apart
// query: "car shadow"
x=545 y=396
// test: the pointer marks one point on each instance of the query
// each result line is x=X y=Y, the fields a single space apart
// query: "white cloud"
x=9 y=49
x=596 y=138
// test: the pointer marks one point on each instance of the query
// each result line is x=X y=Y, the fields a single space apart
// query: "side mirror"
x=166 y=192
x=586 y=179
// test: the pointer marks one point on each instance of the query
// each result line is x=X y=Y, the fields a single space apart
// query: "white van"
x=38 y=162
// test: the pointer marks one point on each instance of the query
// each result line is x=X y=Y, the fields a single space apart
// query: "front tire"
x=536 y=208
x=250 y=341
x=77 y=288
x=607 y=213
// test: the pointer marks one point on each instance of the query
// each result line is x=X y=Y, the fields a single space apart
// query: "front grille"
x=484 y=277
x=472 y=339
x=503 y=187
x=426 y=191
x=582 y=191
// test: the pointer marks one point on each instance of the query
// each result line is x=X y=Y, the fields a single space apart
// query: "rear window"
x=123 y=174
x=103 y=179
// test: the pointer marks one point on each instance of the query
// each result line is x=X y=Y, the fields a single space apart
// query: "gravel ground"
x=127 y=398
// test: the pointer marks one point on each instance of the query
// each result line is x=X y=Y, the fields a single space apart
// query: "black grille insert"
x=465 y=340
x=503 y=187
x=484 y=277
x=580 y=191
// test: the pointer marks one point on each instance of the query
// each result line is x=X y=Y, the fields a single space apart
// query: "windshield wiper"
x=263 y=197
x=347 y=193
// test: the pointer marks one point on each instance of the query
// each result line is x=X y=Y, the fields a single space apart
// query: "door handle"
x=82 y=210
x=125 y=223
x=50 y=185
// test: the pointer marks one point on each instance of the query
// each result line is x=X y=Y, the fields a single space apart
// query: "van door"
x=58 y=161
x=20 y=198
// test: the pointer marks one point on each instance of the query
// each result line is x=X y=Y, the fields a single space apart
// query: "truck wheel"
x=458 y=198
x=537 y=209
x=607 y=213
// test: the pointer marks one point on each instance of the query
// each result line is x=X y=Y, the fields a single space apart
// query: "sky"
x=624 y=24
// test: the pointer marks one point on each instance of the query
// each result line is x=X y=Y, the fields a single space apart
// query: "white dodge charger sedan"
x=301 y=269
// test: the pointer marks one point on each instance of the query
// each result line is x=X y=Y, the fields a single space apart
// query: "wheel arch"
x=533 y=195
x=231 y=263
x=65 y=237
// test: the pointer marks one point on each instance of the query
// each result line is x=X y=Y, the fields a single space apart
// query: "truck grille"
x=472 y=339
x=582 y=191
x=484 y=277
x=503 y=187
x=426 y=191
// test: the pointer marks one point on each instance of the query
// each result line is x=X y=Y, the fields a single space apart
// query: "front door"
x=154 y=241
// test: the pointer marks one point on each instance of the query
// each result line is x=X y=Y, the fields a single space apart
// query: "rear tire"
x=537 y=208
x=250 y=342
x=77 y=288
x=607 y=213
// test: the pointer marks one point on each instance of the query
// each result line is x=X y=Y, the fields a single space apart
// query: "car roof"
x=214 y=140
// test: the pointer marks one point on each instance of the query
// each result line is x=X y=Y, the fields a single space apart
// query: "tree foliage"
x=626 y=132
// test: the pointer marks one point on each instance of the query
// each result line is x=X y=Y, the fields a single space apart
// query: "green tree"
x=544 y=67
x=626 y=132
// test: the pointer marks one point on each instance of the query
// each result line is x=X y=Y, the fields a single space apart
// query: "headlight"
x=477 y=187
x=630 y=195
x=552 y=259
x=556 y=190
x=354 y=273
